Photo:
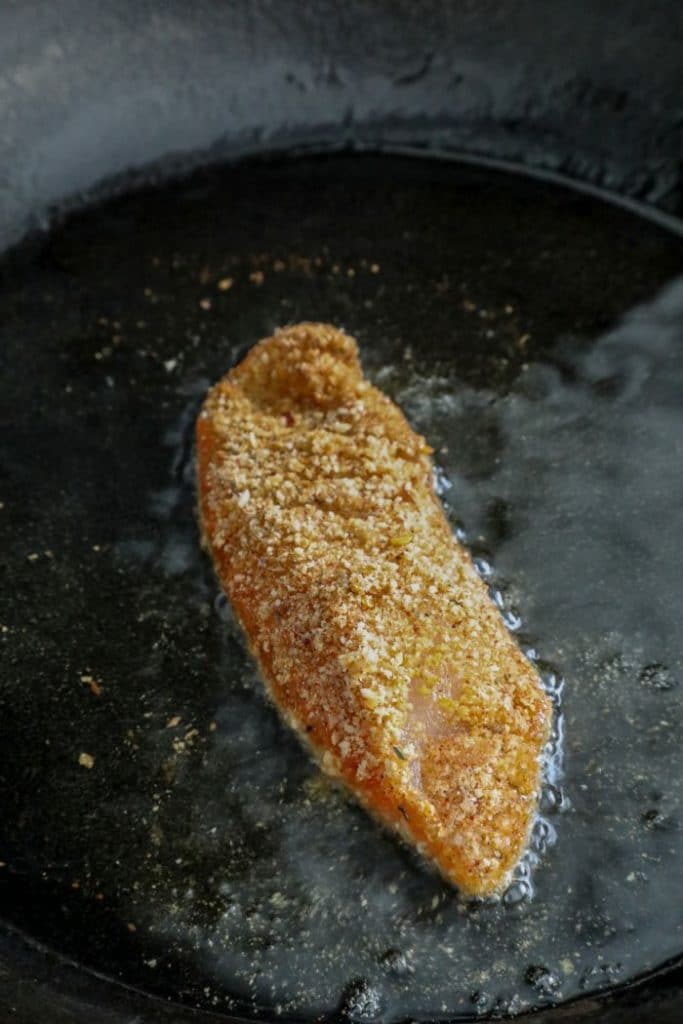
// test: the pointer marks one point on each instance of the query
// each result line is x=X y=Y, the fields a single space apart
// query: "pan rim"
x=174 y=168
x=603 y=996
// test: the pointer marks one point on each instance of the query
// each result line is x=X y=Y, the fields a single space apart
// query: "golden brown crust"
x=374 y=634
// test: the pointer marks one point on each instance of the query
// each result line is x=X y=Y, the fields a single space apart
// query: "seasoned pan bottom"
x=158 y=823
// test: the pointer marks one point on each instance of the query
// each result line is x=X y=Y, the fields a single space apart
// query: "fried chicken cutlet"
x=373 y=632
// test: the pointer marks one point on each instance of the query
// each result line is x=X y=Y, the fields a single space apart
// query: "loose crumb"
x=92 y=684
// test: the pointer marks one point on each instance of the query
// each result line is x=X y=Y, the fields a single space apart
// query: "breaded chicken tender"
x=373 y=632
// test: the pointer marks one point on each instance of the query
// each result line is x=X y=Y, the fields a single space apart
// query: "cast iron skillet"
x=91 y=94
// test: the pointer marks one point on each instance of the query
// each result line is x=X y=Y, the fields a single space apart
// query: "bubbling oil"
x=326 y=863
x=553 y=800
x=204 y=857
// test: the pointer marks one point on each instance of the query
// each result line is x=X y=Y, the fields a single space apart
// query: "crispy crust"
x=372 y=630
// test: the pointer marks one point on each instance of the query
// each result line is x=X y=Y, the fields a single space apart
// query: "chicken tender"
x=373 y=632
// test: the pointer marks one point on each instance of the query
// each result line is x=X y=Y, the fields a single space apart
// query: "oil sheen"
x=534 y=337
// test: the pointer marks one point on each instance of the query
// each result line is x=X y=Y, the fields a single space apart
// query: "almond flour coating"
x=373 y=632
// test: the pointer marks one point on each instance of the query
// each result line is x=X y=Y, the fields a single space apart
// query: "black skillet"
x=165 y=844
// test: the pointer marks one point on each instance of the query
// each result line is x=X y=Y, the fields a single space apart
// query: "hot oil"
x=203 y=856
x=552 y=799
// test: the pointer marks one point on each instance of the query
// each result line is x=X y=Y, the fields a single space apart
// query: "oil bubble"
x=519 y=891
x=552 y=799
x=481 y=1001
x=361 y=1001
x=543 y=835
x=656 y=821
x=543 y=980
x=442 y=483
x=512 y=620
x=483 y=567
x=396 y=962
x=656 y=676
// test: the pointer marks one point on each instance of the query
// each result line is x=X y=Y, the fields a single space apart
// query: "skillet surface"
x=194 y=851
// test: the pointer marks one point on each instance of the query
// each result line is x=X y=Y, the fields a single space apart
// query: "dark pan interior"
x=91 y=90
x=534 y=335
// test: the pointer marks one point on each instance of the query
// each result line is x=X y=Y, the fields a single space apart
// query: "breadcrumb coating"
x=373 y=632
